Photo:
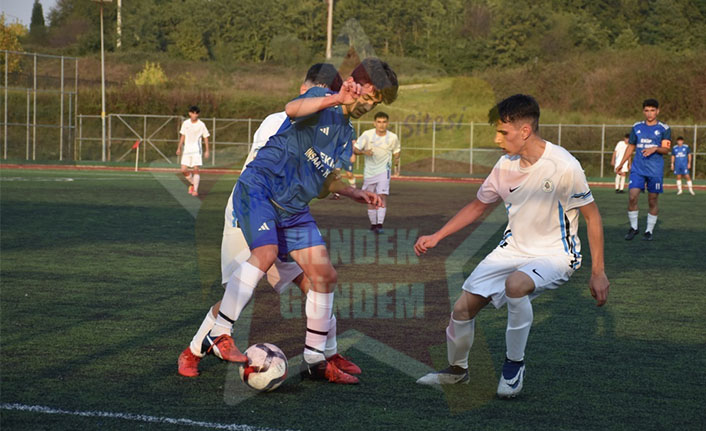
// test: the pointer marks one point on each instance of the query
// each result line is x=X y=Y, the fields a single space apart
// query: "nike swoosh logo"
x=512 y=190
x=535 y=271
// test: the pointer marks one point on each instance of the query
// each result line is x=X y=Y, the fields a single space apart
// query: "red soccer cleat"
x=328 y=371
x=188 y=363
x=344 y=364
x=224 y=348
x=191 y=189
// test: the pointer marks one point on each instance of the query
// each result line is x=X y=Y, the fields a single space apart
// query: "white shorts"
x=191 y=160
x=488 y=279
x=379 y=183
x=625 y=168
x=235 y=250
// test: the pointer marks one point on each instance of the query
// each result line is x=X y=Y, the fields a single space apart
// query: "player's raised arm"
x=463 y=218
x=301 y=107
x=599 y=283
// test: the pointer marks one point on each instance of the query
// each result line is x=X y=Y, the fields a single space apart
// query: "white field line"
x=132 y=417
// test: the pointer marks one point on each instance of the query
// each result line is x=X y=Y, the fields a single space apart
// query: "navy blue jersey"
x=295 y=162
x=681 y=156
x=643 y=137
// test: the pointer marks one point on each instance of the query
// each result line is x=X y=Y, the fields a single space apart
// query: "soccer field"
x=106 y=275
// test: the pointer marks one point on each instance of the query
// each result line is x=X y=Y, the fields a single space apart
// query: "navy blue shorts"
x=264 y=223
x=638 y=181
x=681 y=170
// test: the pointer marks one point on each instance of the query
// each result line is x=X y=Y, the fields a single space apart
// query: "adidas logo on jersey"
x=263 y=227
x=324 y=130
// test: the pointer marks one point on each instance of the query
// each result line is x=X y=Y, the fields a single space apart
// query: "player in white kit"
x=235 y=250
x=381 y=149
x=618 y=153
x=191 y=133
x=543 y=188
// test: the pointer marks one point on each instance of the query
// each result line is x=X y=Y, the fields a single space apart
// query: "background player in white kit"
x=543 y=189
x=379 y=146
x=618 y=153
x=191 y=133
x=235 y=250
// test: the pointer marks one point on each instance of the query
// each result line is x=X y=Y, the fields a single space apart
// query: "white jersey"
x=383 y=148
x=620 y=148
x=542 y=203
x=193 y=132
x=269 y=126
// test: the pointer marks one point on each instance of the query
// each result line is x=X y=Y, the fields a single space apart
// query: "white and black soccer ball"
x=266 y=368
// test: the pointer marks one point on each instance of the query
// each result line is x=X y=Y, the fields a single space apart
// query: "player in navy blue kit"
x=681 y=162
x=650 y=141
x=271 y=199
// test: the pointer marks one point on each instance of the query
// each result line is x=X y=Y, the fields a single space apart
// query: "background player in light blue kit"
x=650 y=140
x=681 y=163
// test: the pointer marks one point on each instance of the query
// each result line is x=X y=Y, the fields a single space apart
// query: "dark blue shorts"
x=264 y=223
x=638 y=181
x=681 y=170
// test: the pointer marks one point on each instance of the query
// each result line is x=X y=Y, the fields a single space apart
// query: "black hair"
x=680 y=138
x=651 y=103
x=194 y=108
x=374 y=71
x=382 y=115
x=324 y=74
x=513 y=108
x=627 y=135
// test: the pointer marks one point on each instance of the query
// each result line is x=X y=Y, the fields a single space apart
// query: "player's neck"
x=194 y=121
x=380 y=134
x=651 y=123
x=533 y=151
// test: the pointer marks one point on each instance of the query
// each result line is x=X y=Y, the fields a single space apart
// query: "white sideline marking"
x=132 y=417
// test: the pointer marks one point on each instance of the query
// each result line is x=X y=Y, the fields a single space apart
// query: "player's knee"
x=461 y=311
x=518 y=284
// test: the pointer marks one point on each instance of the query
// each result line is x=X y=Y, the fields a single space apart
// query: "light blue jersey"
x=295 y=162
x=643 y=137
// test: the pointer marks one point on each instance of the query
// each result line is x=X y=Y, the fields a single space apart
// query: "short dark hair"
x=680 y=138
x=650 y=102
x=513 y=108
x=324 y=74
x=374 y=71
x=381 y=115
x=627 y=135
x=194 y=108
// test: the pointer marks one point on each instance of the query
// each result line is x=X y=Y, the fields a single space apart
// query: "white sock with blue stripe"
x=651 y=222
x=519 y=322
x=318 y=316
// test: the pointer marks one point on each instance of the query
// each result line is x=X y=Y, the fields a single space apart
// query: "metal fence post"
x=470 y=160
x=559 y=135
x=213 y=157
x=7 y=56
x=144 y=135
x=693 y=158
x=80 y=135
x=433 y=145
x=75 y=101
x=34 y=114
x=602 y=147
x=110 y=134
x=249 y=135
x=61 y=114
x=68 y=141
x=27 y=136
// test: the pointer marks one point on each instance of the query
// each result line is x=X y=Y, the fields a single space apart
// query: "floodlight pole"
x=329 y=29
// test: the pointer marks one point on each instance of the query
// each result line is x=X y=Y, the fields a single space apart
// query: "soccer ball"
x=266 y=368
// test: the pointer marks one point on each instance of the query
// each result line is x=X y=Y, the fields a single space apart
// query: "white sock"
x=519 y=322
x=679 y=185
x=331 y=344
x=239 y=290
x=632 y=216
x=381 y=215
x=617 y=181
x=459 y=339
x=318 y=315
x=690 y=185
x=190 y=178
x=373 y=216
x=205 y=327
x=622 y=182
x=197 y=179
x=651 y=221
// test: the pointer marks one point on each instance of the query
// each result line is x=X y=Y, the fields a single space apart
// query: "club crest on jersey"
x=656 y=132
x=547 y=186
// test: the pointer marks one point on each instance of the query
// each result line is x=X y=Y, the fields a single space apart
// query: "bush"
x=151 y=74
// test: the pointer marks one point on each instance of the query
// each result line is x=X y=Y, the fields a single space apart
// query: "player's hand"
x=424 y=243
x=178 y=153
x=368 y=152
x=649 y=151
x=350 y=91
x=599 y=286
x=366 y=197
x=206 y=154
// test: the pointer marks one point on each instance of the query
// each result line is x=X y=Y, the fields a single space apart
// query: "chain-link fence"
x=440 y=148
